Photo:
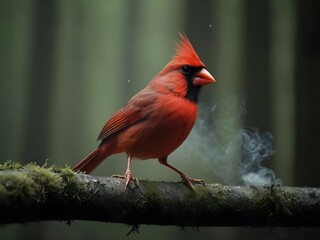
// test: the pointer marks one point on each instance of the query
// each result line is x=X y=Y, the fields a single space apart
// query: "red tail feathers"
x=90 y=162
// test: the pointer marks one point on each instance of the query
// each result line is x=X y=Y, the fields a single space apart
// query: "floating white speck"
x=210 y=25
x=129 y=80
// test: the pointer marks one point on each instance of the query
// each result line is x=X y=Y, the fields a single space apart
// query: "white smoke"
x=234 y=153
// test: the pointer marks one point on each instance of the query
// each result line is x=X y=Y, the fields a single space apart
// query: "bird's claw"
x=129 y=178
x=188 y=181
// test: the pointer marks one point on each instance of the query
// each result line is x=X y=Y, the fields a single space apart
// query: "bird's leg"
x=185 y=179
x=128 y=176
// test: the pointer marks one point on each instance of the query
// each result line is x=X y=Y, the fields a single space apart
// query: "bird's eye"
x=186 y=69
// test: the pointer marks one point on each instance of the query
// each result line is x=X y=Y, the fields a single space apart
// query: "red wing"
x=119 y=121
x=136 y=110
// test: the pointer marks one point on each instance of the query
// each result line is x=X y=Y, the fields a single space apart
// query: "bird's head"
x=185 y=74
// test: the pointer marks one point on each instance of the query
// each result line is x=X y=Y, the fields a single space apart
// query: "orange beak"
x=203 y=78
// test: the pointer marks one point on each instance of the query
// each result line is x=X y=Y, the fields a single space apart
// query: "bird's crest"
x=185 y=53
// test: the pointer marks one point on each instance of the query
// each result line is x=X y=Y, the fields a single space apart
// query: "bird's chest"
x=177 y=119
x=167 y=127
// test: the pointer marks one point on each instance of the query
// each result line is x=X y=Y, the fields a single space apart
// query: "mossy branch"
x=33 y=193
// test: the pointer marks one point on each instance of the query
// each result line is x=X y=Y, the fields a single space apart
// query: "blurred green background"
x=67 y=65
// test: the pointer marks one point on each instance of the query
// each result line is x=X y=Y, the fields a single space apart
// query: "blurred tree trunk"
x=257 y=68
x=39 y=91
x=282 y=93
x=198 y=23
x=15 y=40
x=69 y=85
x=307 y=94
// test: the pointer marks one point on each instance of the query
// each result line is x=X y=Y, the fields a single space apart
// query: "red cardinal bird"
x=158 y=119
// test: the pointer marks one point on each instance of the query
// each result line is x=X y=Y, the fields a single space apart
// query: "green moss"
x=202 y=192
x=66 y=173
x=17 y=184
x=155 y=199
x=283 y=201
x=43 y=176
x=273 y=200
x=32 y=180
x=2 y=190
x=73 y=186
x=161 y=203
x=10 y=165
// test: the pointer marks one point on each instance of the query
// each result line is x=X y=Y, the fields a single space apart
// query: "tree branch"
x=33 y=193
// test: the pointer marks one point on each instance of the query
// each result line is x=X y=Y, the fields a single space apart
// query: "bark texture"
x=33 y=193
